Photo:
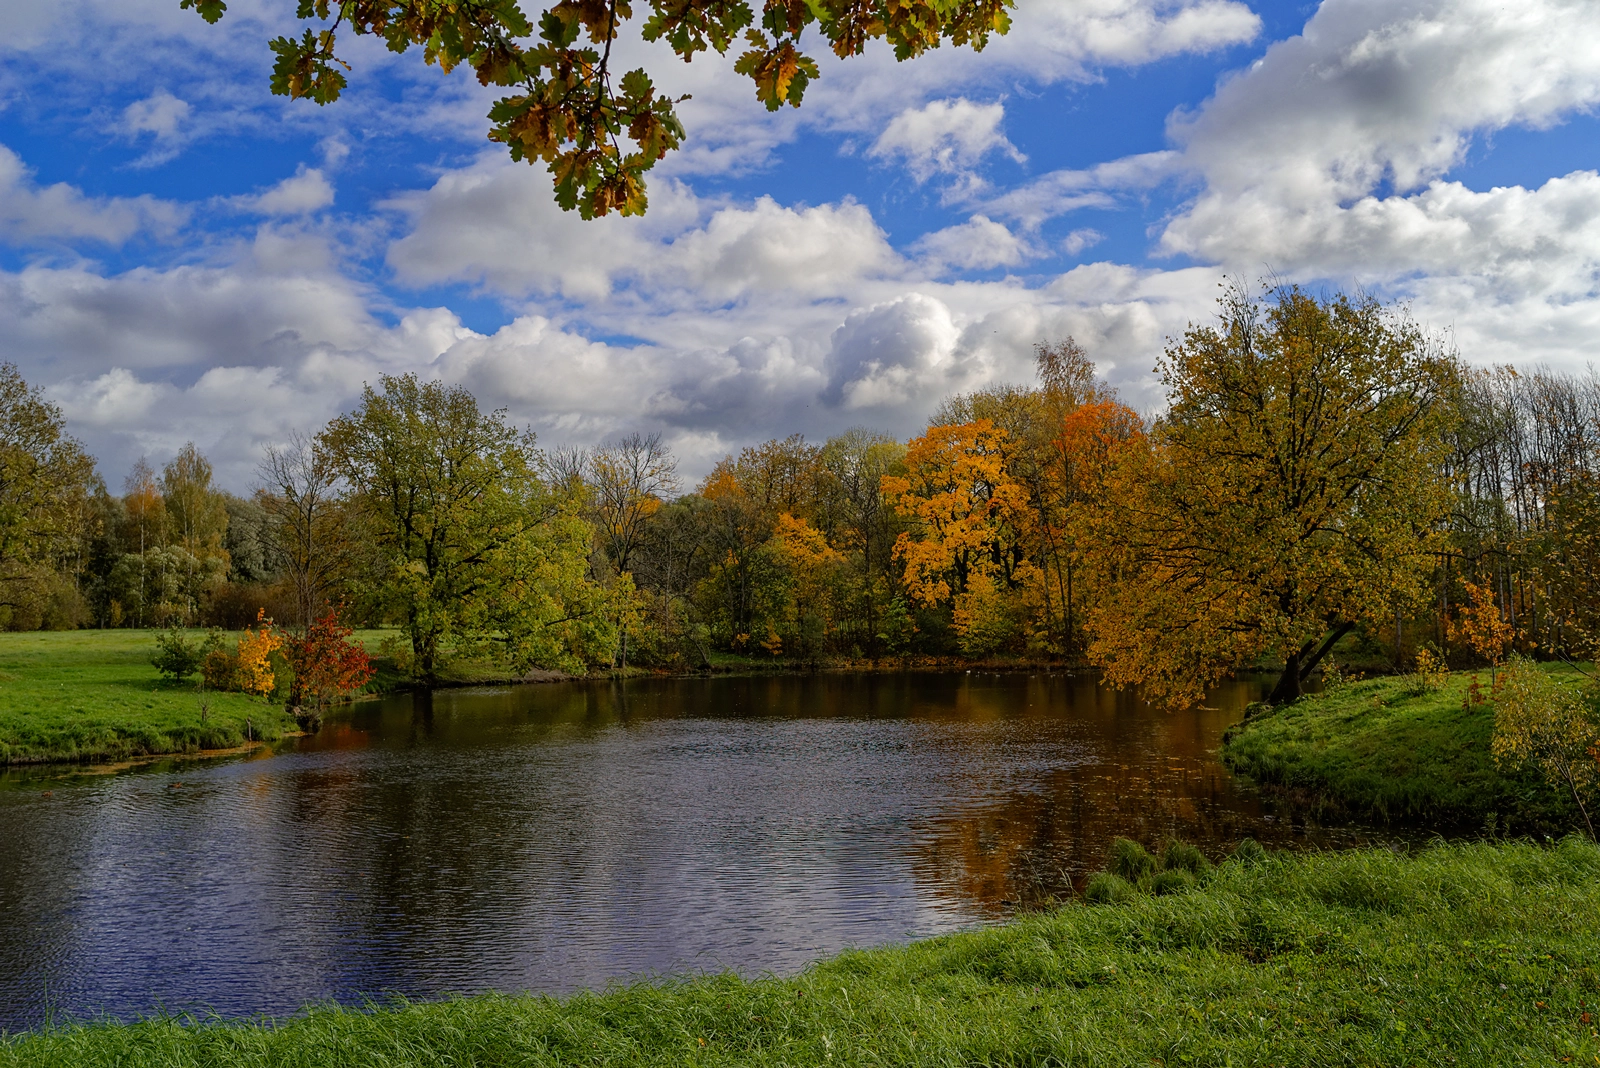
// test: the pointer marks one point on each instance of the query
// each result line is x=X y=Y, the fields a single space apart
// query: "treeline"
x=1324 y=472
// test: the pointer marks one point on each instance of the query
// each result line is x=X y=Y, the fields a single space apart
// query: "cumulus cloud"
x=944 y=137
x=306 y=191
x=162 y=116
x=1330 y=154
x=30 y=213
x=979 y=243
x=495 y=224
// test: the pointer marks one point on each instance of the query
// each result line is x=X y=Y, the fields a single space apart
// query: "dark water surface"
x=553 y=837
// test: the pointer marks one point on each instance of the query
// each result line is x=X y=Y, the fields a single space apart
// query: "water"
x=563 y=836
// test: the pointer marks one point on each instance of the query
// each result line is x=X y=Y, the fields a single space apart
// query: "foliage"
x=449 y=499
x=325 y=662
x=1377 y=749
x=177 y=658
x=566 y=105
x=1550 y=725
x=1478 y=953
x=964 y=507
x=46 y=480
x=1292 y=490
x=1431 y=674
x=256 y=672
x=1481 y=624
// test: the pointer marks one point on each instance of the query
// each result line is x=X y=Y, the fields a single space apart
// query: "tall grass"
x=1474 y=954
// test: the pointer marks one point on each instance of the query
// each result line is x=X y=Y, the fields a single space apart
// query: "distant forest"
x=1323 y=472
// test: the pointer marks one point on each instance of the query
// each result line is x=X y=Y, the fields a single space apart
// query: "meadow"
x=92 y=695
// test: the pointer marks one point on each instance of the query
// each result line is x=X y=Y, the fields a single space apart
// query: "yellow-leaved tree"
x=1550 y=725
x=965 y=511
x=1292 y=490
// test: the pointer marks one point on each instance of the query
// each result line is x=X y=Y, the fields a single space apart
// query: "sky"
x=185 y=257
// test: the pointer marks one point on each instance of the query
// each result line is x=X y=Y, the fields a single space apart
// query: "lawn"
x=1377 y=750
x=1471 y=954
x=92 y=695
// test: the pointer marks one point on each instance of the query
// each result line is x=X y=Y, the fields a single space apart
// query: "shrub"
x=175 y=657
x=1548 y=724
x=220 y=670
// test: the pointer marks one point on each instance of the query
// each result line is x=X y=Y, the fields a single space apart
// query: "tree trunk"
x=1299 y=665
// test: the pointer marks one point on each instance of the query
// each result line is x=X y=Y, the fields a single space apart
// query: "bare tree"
x=301 y=499
x=629 y=479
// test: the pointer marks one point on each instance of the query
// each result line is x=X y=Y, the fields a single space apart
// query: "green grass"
x=91 y=695
x=1472 y=954
x=1372 y=749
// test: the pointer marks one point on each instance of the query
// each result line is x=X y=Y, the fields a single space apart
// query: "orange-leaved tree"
x=1293 y=489
x=326 y=663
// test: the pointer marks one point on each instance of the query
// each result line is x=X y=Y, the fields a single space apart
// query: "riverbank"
x=1384 y=749
x=1477 y=954
x=92 y=695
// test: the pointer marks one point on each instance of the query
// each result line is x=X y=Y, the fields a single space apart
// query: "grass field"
x=93 y=695
x=1472 y=954
x=1373 y=750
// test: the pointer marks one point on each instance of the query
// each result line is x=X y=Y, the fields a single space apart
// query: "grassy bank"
x=1476 y=954
x=1376 y=749
x=93 y=695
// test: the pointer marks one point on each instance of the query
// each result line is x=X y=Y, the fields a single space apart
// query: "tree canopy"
x=599 y=131
x=1294 y=488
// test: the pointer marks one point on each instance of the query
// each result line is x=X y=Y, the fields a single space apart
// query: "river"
x=561 y=836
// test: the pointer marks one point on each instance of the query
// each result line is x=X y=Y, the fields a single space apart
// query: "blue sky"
x=185 y=257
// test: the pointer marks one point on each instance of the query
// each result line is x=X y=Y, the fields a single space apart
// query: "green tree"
x=1293 y=489
x=448 y=497
x=46 y=482
x=599 y=132
x=197 y=513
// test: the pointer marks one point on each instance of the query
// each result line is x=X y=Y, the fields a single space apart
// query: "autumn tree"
x=629 y=479
x=326 y=663
x=598 y=130
x=964 y=510
x=1292 y=490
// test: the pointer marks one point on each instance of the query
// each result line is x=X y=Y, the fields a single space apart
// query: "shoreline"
x=1361 y=956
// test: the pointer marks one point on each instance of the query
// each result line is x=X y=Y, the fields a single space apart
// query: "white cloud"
x=160 y=114
x=30 y=213
x=944 y=137
x=1330 y=153
x=979 y=243
x=306 y=191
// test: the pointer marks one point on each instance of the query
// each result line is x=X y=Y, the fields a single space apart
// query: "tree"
x=471 y=547
x=326 y=663
x=599 y=133
x=46 y=480
x=1293 y=489
x=629 y=480
x=198 y=514
x=307 y=527
x=962 y=505
x=1547 y=724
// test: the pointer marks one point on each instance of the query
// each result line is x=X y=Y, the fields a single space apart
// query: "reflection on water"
x=552 y=837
